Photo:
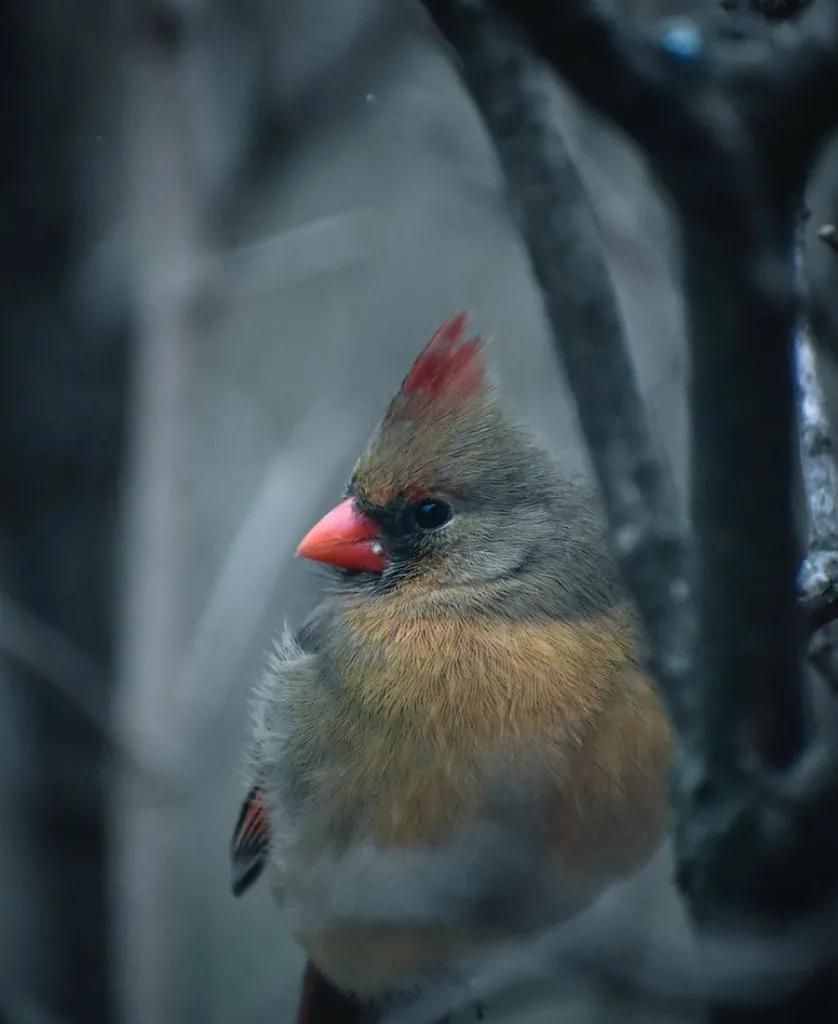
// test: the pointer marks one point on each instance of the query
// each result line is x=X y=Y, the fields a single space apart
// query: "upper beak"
x=345 y=537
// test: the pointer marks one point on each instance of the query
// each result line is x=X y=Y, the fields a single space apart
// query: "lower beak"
x=346 y=538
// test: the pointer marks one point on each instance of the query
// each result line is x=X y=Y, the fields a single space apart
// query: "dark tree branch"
x=731 y=122
x=707 y=112
x=556 y=218
x=772 y=10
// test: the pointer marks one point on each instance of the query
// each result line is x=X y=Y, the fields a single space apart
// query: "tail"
x=322 y=1003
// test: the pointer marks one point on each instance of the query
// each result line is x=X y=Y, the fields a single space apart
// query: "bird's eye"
x=432 y=514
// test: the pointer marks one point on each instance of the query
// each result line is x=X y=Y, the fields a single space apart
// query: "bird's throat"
x=490 y=675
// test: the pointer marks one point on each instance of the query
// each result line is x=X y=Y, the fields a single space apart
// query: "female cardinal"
x=458 y=749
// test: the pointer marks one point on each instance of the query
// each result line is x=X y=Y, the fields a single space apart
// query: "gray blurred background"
x=236 y=408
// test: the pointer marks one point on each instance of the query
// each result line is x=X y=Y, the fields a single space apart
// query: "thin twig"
x=295 y=256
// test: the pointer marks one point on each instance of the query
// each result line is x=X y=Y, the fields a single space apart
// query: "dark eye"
x=432 y=514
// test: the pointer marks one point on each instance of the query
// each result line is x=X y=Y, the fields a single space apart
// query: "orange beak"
x=346 y=538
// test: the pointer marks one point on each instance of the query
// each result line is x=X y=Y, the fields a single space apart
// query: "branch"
x=818 y=579
x=165 y=218
x=707 y=112
x=772 y=10
x=730 y=123
x=556 y=217
x=828 y=234
x=55 y=659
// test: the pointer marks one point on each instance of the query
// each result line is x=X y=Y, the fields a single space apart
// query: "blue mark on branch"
x=683 y=39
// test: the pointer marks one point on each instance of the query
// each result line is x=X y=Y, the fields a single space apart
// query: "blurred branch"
x=287 y=120
x=294 y=256
x=229 y=276
x=55 y=659
x=731 y=123
x=672 y=970
x=165 y=218
x=62 y=396
x=56 y=663
x=772 y=10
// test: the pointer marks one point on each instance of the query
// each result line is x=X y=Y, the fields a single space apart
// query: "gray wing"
x=265 y=812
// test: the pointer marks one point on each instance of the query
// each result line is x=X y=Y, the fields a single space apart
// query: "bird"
x=459 y=748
